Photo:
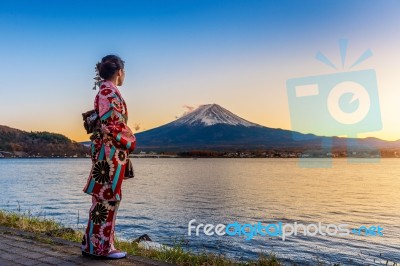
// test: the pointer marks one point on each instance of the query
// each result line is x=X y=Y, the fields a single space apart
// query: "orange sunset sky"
x=238 y=54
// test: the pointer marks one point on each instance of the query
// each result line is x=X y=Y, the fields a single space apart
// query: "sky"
x=179 y=54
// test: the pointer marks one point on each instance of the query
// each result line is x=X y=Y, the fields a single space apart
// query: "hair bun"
x=109 y=65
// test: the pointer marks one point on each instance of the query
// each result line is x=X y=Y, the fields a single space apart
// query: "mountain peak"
x=212 y=114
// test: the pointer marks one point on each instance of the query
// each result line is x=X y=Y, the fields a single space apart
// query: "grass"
x=176 y=254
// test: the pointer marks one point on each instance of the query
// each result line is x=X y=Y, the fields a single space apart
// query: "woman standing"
x=112 y=141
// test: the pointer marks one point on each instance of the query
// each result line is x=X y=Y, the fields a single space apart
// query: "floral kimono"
x=111 y=144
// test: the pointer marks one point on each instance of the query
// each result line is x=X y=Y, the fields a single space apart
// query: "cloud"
x=188 y=109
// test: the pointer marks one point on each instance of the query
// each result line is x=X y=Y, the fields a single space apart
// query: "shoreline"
x=27 y=248
x=212 y=157
x=44 y=230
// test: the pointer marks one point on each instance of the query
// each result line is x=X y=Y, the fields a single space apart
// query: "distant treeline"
x=200 y=153
x=44 y=143
x=384 y=153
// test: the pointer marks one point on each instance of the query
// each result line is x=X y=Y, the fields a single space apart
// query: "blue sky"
x=238 y=54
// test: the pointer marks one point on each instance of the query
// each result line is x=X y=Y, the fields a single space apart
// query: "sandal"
x=116 y=254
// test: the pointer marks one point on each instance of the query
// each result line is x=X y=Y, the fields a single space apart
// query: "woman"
x=112 y=141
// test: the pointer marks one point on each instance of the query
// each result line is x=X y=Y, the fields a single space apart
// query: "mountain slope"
x=44 y=143
x=213 y=127
x=212 y=114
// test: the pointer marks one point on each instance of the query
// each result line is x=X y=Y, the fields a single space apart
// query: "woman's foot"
x=116 y=254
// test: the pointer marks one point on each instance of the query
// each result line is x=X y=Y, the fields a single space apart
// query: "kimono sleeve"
x=113 y=122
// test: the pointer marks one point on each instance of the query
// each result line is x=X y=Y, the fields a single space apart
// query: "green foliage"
x=39 y=143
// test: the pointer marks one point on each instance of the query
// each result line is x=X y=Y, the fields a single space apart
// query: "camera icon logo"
x=337 y=104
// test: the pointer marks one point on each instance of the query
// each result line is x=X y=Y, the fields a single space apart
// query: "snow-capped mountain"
x=212 y=127
x=212 y=114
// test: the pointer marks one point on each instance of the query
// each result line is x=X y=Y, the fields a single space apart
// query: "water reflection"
x=167 y=193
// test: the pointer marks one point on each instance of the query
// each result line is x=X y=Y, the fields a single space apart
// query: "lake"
x=167 y=193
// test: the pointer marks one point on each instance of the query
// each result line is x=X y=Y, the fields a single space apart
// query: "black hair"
x=109 y=65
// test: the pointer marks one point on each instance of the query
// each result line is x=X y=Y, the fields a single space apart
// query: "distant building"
x=20 y=154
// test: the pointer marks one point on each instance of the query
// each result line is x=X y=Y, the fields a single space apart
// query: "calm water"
x=167 y=193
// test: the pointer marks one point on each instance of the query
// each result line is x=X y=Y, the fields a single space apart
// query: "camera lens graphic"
x=335 y=105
